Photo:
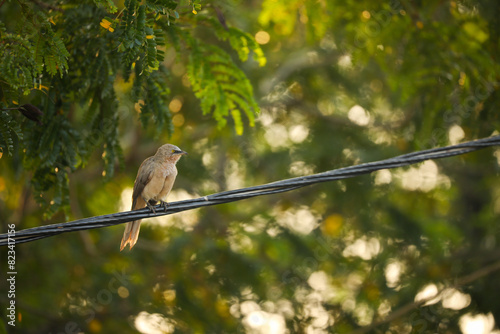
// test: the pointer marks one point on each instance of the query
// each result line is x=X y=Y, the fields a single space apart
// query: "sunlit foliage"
x=66 y=58
x=408 y=250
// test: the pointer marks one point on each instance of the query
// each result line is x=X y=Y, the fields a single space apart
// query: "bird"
x=31 y=112
x=153 y=183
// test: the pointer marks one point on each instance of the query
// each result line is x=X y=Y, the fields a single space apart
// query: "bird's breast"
x=168 y=170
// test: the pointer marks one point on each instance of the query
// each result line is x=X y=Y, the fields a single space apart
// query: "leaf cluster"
x=67 y=58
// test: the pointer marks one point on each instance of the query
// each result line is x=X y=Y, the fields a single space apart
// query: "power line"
x=45 y=231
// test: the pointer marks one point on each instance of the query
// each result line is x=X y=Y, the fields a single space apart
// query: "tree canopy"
x=255 y=91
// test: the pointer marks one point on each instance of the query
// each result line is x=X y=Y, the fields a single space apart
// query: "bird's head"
x=170 y=152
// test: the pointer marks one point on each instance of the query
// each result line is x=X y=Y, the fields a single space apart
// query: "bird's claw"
x=164 y=205
x=151 y=207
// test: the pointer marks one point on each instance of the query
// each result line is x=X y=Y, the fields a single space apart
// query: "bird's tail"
x=131 y=234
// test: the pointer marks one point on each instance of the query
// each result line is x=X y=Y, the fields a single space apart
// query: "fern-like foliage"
x=8 y=129
x=66 y=57
x=18 y=66
x=242 y=42
x=26 y=59
x=138 y=36
x=155 y=108
x=220 y=85
x=50 y=52
x=102 y=132
x=51 y=152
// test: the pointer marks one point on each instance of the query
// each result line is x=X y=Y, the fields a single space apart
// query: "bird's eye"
x=173 y=151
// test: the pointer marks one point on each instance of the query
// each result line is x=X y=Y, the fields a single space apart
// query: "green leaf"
x=220 y=85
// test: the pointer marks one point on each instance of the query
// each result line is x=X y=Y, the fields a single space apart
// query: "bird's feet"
x=150 y=204
x=164 y=204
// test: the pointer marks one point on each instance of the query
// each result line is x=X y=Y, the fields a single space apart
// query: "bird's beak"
x=181 y=152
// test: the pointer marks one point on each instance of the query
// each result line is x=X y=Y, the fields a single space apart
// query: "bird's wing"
x=144 y=175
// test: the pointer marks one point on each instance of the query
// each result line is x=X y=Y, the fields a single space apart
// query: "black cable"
x=41 y=232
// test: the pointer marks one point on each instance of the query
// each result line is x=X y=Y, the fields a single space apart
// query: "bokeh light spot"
x=262 y=37
x=358 y=115
x=456 y=134
x=178 y=120
x=175 y=105
x=123 y=292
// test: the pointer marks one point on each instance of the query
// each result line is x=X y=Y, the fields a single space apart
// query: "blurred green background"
x=342 y=82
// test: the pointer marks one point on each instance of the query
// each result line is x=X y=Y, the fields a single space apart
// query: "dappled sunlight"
x=256 y=92
x=380 y=136
x=321 y=282
x=313 y=301
x=234 y=174
x=258 y=321
x=358 y=115
x=351 y=155
x=261 y=322
x=265 y=117
x=384 y=308
x=353 y=281
x=454 y=299
x=298 y=133
x=276 y=136
x=314 y=310
x=257 y=225
x=427 y=294
x=248 y=306
x=456 y=134
x=323 y=291
x=208 y=158
x=300 y=168
x=240 y=243
x=282 y=135
x=425 y=178
x=450 y=298
x=393 y=272
x=478 y=324
x=155 y=323
x=126 y=199
x=383 y=176
x=345 y=61
x=364 y=314
x=364 y=248
x=300 y=220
